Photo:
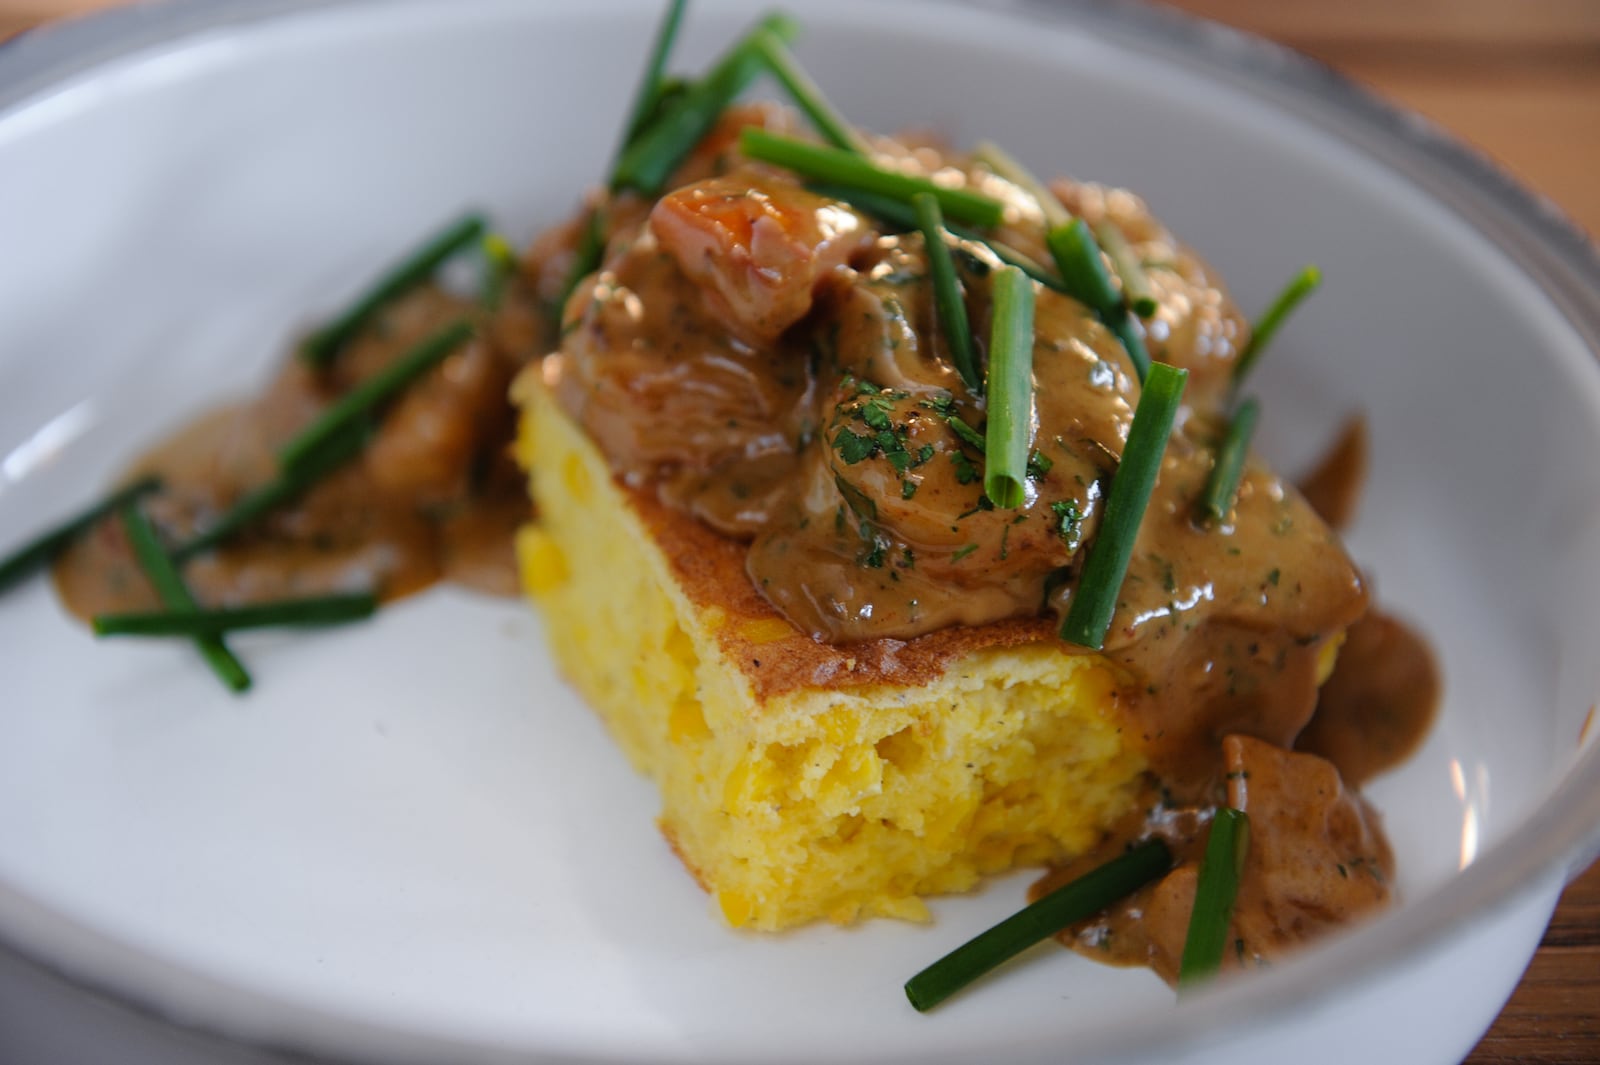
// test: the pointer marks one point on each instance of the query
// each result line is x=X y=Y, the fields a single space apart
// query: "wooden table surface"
x=1519 y=79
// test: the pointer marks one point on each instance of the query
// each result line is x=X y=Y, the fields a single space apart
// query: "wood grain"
x=1554 y=1015
x=1520 y=81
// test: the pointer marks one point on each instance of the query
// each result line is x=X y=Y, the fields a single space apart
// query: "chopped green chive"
x=1010 y=388
x=967 y=433
x=1012 y=257
x=336 y=437
x=164 y=577
x=671 y=89
x=499 y=263
x=903 y=217
x=1299 y=287
x=359 y=403
x=1067 y=905
x=1223 y=484
x=323 y=346
x=38 y=552
x=1082 y=269
x=1135 y=285
x=1002 y=163
x=652 y=156
x=318 y=610
x=839 y=167
x=289 y=484
x=1084 y=275
x=1215 y=891
x=952 y=308
x=1094 y=601
x=898 y=214
x=648 y=93
x=805 y=92
x=1121 y=326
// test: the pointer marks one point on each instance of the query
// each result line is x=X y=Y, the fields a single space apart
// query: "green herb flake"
x=853 y=447
x=966 y=472
x=984 y=503
x=874 y=558
x=1069 y=522
x=1039 y=464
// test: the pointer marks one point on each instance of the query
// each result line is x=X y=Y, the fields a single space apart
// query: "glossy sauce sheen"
x=432 y=496
x=770 y=361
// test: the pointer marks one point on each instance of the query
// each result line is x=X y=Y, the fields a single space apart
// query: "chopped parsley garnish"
x=853 y=447
x=1069 y=522
x=966 y=472
x=1089 y=613
x=873 y=408
x=984 y=503
x=1039 y=464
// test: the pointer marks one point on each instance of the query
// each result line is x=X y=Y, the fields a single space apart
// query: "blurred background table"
x=1520 y=80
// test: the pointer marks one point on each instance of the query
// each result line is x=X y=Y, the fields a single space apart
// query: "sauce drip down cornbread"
x=753 y=423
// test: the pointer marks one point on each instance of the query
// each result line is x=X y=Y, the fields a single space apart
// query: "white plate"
x=413 y=843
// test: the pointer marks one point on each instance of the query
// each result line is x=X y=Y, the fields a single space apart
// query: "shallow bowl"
x=412 y=843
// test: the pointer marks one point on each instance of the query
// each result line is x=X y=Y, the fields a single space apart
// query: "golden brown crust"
x=775 y=657
x=683 y=856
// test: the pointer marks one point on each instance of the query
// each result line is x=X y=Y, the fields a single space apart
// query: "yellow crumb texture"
x=822 y=801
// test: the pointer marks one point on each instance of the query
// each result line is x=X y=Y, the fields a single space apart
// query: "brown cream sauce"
x=770 y=361
x=1377 y=707
x=1317 y=859
x=432 y=497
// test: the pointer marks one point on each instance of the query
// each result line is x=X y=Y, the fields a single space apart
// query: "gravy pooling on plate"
x=433 y=495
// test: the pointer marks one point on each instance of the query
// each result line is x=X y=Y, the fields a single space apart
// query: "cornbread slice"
x=802 y=780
